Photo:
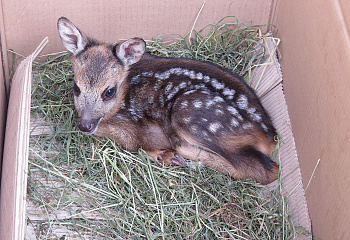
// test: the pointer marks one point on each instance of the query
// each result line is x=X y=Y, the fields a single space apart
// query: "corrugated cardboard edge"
x=15 y=160
x=3 y=49
x=272 y=98
x=3 y=79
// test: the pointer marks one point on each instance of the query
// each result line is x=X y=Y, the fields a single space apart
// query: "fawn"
x=173 y=108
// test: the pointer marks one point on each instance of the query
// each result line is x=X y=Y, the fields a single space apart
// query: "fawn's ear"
x=131 y=51
x=72 y=38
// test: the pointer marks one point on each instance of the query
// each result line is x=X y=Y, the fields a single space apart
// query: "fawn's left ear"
x=72 y=38
x=131 y=51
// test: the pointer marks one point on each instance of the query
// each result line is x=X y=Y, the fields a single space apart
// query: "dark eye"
x=108 y=94
x=76 y=90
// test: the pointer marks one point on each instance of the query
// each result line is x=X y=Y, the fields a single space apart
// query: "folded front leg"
x=167 y=156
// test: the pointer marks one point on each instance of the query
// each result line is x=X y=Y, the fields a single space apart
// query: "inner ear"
x=72 y=38
x=131 y=51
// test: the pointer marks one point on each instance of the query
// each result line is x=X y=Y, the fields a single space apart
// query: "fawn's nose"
x=87 y=126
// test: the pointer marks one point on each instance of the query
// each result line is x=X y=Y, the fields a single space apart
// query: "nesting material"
x=83 y=187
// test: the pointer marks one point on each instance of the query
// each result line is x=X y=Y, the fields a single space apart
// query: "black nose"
x=87 y=126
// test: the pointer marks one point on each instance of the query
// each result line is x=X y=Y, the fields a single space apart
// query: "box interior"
x=315 y=48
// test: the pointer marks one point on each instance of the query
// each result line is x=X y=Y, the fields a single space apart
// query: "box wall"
x=3 y=104
x=316 y=58
x=27 y=23
x=3 y=99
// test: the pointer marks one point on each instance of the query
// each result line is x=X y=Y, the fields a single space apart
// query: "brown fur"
x=172 y=108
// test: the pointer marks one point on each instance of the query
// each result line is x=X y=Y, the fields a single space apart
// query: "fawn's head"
x=100 y=71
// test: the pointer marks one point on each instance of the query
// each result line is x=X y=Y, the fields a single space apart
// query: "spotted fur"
x=170 y=107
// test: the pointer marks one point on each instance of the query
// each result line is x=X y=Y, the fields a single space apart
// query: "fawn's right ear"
x=72 y=38
x=131 y=51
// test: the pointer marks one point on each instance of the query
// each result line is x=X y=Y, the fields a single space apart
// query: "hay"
x=83 y=187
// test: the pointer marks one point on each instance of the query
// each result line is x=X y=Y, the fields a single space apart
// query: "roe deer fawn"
x=173 y=108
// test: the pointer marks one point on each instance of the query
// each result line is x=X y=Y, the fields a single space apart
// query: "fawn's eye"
x=108 y=94
x=76 y=90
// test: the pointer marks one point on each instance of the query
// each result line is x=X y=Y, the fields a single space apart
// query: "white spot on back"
x=229 y=92
x=216 y=84
x=186 y=120
x=168 y=87
x=214 y=127
x=264 y=127
x=161 y=100
x=218 y=99
x=184 y=104
x=234 y=122
x=135 y=79
x=172 y=93
x=192 y=75
x=197 y=103
x=151 y=99
x=232 y=110
x=177 y=71
x=219 y=112
x=156 y=86
x=147 y=74
x=246 y=126
x=157 y=75
x=209 y=103
x=251 y=110
x=206 y=79
x=194 y=128
x=200 y=86
x=186 y=72
x=183 y=85
x=254 y=115
x=163 y=75
x=242 y=102
x=199 y=76
x=205 y=134
x=157 y=114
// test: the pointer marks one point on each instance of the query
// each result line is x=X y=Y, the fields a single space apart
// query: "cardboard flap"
x=270 y=92
x=291 y=186
x=270 y=70
x=15 y=158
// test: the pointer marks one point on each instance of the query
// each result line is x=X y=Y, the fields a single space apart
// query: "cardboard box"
x=316 y=52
